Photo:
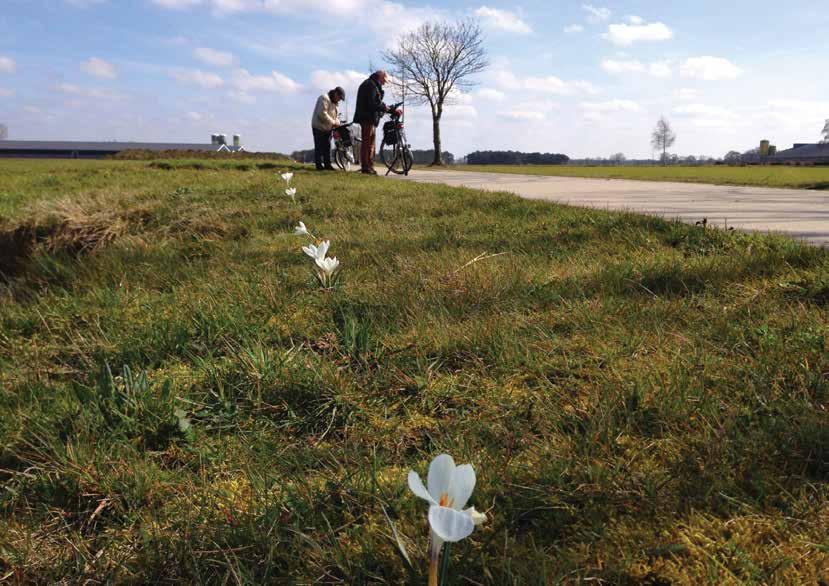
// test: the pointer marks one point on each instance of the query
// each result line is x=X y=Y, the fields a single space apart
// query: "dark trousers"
x=369 y=132
x=322 y=148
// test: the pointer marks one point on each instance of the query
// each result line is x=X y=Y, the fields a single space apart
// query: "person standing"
x=326 y=117
x=367 y=113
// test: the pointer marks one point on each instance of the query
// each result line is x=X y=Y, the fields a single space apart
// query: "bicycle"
x=399 y=160
x=346 y=146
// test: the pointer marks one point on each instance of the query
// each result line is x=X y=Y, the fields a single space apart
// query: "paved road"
x=797 y=212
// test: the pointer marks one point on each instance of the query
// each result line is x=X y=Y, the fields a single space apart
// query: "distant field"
x=644 y=402
x=777 y=176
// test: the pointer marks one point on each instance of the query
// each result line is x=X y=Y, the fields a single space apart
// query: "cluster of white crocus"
x=326 y=268
x=448 y=488
x=289 y=191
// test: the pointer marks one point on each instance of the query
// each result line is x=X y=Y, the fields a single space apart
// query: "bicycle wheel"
x=342 y=160
x=393 y=157
x=406 y=157
x=387 y=154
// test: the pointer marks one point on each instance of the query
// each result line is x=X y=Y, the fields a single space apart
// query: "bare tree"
x=4 y=132
x=825 y=132
x=434 y=62
x=663 y=137
x=618 y=158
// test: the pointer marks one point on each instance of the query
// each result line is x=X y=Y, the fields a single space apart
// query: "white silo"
x=237 y=140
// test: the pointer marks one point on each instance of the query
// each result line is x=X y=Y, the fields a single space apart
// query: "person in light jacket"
x=326 y=117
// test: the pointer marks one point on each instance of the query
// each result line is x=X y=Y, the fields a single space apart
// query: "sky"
x=584 y=79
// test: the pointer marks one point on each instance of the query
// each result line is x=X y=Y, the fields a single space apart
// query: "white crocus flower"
x=449 y=489
x=326 y=269
x=287 y=177
x=317 y=252
x=301 y=230
x=291 y=193
x=328 y=265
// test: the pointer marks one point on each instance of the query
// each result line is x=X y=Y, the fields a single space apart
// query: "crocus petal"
x=322 y=249
x=463 y=483
x=477 y=518
x=440 y=476
x=310 y=250
x=449 y=524
x=416 y=486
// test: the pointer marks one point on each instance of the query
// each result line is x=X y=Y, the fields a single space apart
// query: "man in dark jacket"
x=367 y=113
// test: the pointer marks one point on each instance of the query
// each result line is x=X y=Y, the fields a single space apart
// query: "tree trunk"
x=438 y=158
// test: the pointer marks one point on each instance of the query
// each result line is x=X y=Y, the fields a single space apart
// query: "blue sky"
x=583 y=78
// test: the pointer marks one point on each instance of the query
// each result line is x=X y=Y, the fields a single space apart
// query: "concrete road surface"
x=799 y=213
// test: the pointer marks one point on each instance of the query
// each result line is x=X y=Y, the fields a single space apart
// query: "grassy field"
x=644 y=402
x=777 y=176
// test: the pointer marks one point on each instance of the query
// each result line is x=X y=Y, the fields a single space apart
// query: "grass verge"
x=770 y=176
x=644 y=402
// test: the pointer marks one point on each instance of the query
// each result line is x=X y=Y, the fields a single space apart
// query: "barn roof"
x=805 y=152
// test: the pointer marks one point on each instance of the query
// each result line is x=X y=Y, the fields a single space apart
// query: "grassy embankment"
x=771 y=176
x=644 y=402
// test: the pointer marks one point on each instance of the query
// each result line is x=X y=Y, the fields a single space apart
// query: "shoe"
x=328 y=168
x=369 y=171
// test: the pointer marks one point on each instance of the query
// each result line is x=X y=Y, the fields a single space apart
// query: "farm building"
x=803 y=154
x=97 y=150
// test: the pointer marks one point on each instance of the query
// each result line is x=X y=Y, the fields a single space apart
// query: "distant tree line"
x=515 y=158
x=426 y=157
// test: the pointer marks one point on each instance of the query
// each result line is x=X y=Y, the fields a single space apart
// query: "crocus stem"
x=433 y=572
x=434 y=559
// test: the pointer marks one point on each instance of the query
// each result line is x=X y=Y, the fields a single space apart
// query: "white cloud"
x=198 y=77
x=327 y=80
x=7 y=65
x=686 y=94
x=705 y=116
x=85 y=3
x=710 y=68
x=68 y=88
x=553 y=85
x=625 y=34
x=505 y=79
x=99 y=68
x=6 y=93
x=621 y=67
x=522 y=115
x=213 y=57
x=177 y=4
x=196 y=116
x=32 y=109
x=502 y=20
x=801 y=118
x=573 y=28
x=703 y=110
x=241 y=97
x=594 y=111
x=458 y=111
x=275 y=82
x=595 y=14
x=636 y=20
x=490 y=94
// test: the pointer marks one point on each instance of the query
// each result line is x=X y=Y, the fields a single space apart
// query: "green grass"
x=770 y=176
x=644 y=402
